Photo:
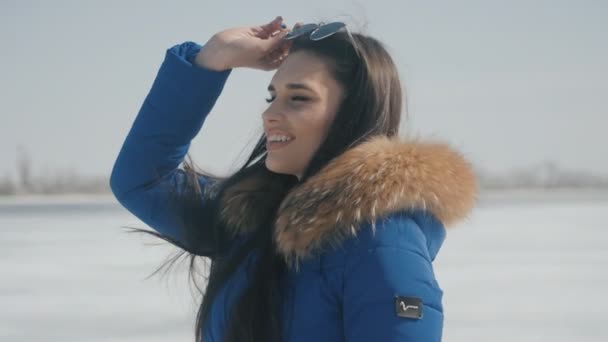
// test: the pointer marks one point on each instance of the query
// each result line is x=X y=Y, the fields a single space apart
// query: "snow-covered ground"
x=523 y=267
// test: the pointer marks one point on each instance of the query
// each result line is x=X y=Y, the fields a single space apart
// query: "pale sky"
x=508 y=83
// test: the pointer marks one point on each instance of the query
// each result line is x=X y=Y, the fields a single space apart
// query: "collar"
x=375 y=178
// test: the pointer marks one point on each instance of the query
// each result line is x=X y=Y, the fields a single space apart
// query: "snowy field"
x=524 y=267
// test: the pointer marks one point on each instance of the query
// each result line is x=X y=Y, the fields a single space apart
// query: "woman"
x=329 y=230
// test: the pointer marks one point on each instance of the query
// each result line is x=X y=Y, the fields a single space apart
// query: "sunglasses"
x=317 y=32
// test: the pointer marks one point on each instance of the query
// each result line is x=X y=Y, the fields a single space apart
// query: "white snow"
x=524 y=268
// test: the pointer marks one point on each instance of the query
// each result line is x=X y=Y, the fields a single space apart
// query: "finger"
x=270 y=30
x=280 y=30
x=275 y=54
x=279 y=59
x=286 y=46
x=296 y=26
x=273 y=26
x=273 y=64
x=286 y=29
x=282 y=49
x=274 y=42
x=273 y=61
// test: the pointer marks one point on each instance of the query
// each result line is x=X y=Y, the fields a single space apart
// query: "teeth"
x=279 y=138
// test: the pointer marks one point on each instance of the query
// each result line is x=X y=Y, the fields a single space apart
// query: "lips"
x=275 y=145
x=275 y=132
x=278 y=144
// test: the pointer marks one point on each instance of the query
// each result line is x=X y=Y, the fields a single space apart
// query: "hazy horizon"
x=511 y=85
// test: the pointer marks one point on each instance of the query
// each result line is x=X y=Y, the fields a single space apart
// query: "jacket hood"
x=365 y=183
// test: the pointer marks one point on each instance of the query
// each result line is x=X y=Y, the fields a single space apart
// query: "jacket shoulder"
x=415 y=230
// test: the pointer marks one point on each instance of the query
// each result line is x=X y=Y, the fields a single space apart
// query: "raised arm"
x=145 y=178
x=145 y=175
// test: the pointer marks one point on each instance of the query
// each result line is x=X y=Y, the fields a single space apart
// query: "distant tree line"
x=51 y=183
x=546 y=175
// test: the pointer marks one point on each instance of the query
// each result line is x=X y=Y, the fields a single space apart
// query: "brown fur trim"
x=367 y=182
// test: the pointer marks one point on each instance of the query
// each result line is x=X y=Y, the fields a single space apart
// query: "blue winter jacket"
x=360 y=236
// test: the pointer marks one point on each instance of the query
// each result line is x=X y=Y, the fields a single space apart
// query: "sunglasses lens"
x=300 y=31
x=327 y=30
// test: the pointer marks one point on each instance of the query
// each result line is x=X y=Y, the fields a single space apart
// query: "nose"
x=271 y=115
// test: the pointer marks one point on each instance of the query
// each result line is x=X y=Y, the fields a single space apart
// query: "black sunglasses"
x=321 y=31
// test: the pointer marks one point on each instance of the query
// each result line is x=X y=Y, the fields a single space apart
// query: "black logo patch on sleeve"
x=408 y=307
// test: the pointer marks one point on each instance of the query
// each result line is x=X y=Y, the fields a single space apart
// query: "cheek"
x=312 y=127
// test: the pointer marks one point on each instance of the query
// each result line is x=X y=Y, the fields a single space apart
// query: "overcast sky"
x=508 y=83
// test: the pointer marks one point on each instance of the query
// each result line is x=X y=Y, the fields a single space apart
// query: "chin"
x=276 y=167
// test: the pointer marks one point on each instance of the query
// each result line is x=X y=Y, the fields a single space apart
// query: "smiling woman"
x=304 y=101
x=329 y=230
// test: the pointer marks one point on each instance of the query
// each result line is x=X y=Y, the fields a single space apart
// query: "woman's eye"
x=293 y=98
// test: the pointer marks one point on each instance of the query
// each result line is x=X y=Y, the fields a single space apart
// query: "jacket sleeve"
x=393 y=262
x=145 y=175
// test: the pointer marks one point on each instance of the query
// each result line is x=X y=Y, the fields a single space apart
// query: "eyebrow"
x=293 y=86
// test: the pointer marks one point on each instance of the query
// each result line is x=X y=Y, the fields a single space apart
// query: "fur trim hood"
x=371 y=180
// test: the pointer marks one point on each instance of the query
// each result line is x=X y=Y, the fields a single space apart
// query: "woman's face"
x=304 y=101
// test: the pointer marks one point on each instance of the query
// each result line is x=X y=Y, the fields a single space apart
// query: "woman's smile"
x=275 y=145
x=278 y=139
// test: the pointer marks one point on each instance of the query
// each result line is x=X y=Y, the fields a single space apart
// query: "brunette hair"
x=372 y=106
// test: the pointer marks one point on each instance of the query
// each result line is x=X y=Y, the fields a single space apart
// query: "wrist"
x=209 y=58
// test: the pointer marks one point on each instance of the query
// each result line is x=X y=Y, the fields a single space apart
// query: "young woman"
x=329 y=230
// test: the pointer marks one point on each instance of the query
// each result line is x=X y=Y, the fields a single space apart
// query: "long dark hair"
x=372 y=106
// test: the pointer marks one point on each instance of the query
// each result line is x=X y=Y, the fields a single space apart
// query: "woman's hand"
x=258 y=47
